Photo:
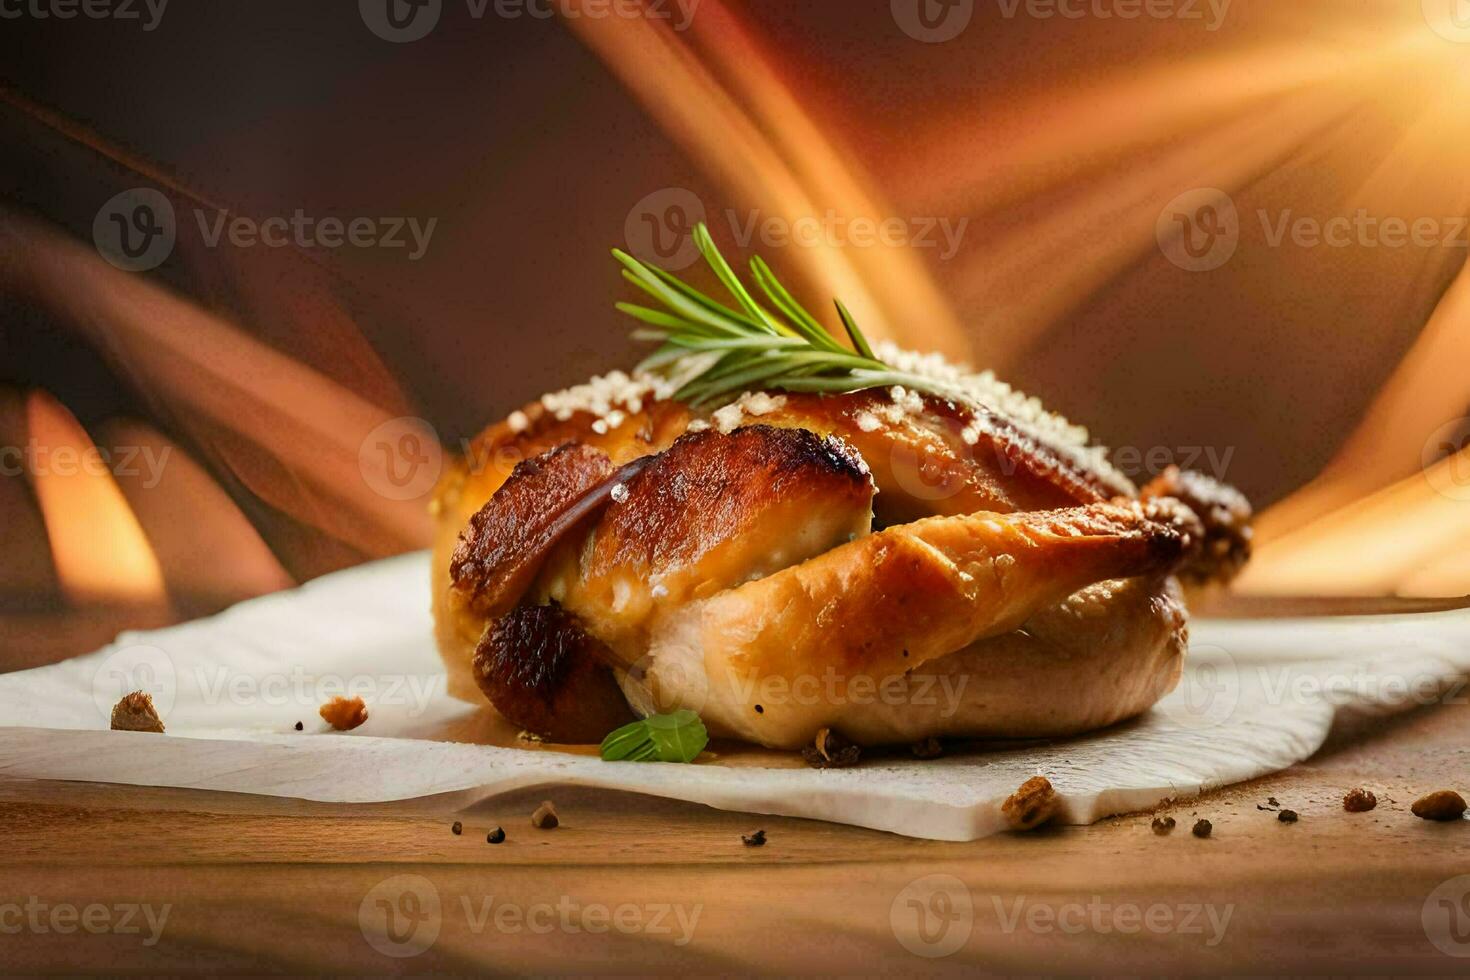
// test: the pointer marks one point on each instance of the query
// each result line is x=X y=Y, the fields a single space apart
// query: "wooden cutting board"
x=259 y=884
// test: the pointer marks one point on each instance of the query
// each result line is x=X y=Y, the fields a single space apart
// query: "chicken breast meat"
x=816 y=561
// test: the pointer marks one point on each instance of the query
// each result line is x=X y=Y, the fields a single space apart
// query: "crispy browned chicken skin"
x=739 y=573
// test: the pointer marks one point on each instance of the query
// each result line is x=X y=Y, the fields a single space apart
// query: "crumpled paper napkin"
x=1257 y=696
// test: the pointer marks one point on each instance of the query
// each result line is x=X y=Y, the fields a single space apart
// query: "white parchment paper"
x=1257 y=697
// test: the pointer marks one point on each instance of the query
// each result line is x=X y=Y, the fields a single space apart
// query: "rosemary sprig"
x=718 y=351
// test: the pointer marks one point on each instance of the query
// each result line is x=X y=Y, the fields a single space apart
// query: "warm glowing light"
x=715 y=91
x=1408 y=539
x=210 y=553
x=290 y=434
x=98 y=546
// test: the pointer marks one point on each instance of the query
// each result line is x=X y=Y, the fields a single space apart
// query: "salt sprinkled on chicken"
x=612 y=397
x=609 y=397
x=1025 y=411
x=751 y=404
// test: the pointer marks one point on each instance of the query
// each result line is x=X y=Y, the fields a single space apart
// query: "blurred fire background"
x=1109 y=202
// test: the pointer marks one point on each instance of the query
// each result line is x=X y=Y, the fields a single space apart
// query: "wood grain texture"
x=276 y=885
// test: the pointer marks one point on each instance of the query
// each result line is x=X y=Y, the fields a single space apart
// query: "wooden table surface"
x=630 y=884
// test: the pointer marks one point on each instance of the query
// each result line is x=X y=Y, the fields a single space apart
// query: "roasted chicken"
x=884 y=563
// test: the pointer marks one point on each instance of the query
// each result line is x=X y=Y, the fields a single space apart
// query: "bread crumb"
x=1032 y=804
x=1287 y=816
x=1445 y=804
x=757 y=839
x=545 y=817
x=1202 y=828
x=1359 y=800
x=135 y=713
x=1163 y=825
x=344 y=714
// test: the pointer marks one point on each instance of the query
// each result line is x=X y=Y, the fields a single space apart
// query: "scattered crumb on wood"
x=1359 y=800
x=1202 y=828
x=1445 y=804
x=757 y=839
x=1032 y=804
x=496 y=836
x=545 y=816
x=135 y=713
x=1163 y=825
x=344 y=714
x=1287 y=816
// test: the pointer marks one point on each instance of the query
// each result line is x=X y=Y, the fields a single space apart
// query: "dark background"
x=530 y=140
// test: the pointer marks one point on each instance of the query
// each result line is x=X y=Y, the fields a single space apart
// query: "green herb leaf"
x=680 y=736
x=622 y=742
x=676 y=737
x=749 y=345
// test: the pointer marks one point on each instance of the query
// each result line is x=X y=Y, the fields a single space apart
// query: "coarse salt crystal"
x=727 y=418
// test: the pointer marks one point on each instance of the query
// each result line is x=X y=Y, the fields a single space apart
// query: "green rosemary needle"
x=719 y=351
